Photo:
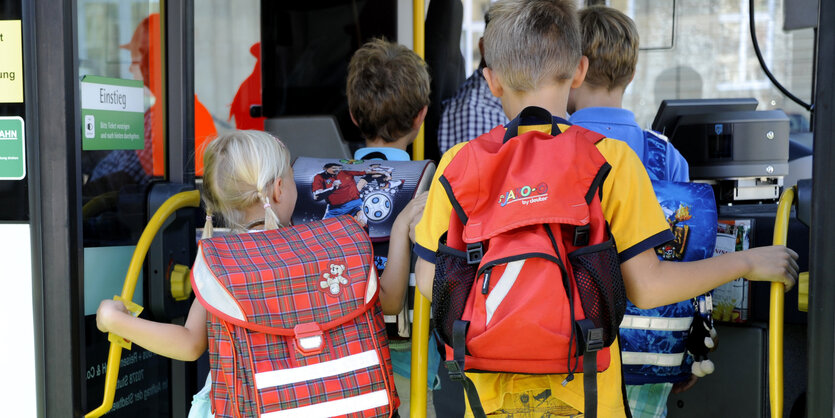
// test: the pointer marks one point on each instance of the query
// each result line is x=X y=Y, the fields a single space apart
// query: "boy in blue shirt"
x=610 y=42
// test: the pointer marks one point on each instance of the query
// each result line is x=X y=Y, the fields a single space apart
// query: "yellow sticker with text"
x=134 y=309
x=11 y=62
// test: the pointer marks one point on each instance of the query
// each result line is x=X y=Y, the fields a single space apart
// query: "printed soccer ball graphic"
x=377 y=206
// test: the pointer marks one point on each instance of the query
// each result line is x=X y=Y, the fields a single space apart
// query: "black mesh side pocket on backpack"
x=453 y=280
x=600 y=284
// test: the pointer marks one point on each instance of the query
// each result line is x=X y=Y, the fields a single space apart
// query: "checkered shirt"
x=471 y=112
x=125 y=161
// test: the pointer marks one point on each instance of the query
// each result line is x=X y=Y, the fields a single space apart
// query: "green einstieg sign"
x=12 y=148
x=112 y=114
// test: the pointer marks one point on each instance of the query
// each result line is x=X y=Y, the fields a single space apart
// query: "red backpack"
x=527 y=278
x=294 y=322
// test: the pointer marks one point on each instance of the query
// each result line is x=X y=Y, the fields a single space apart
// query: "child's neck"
x=254 y=214
x=552 y=97
x=588 y=96
x=399 y=143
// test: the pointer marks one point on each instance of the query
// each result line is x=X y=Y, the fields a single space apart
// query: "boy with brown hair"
x=610 y=42
x=388 y=97
x=534 y=53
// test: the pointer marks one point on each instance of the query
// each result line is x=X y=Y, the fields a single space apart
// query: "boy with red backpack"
x=540 y=216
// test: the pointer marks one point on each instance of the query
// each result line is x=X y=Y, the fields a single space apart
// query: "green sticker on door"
x=12 y=148
x=112 y=114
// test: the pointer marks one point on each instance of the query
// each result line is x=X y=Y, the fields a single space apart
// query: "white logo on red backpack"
x=333 y=279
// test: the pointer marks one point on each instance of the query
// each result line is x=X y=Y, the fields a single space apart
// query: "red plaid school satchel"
x=295 y=326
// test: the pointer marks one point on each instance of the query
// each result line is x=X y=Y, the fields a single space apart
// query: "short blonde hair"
x=532 y=41
x=239 y=169
x=610 y=41
x=387 y=86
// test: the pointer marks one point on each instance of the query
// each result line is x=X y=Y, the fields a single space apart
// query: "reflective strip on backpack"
x=317 y=371
x=657 y=323
x=212 y=291
x=371 y=286
x=654 y=359
x=497 y=295
x=335 y=408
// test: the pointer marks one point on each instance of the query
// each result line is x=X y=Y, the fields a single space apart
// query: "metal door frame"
x=53 y=157
x=55 y=196
x=821 y=341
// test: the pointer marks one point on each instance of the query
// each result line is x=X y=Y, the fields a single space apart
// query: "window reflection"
x=124 y=40
x=227 y=51
x=713 y=57
x=699 y=49
x=113 y=42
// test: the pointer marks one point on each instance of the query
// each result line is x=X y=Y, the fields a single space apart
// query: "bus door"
x=191 y=62
x=135 y=79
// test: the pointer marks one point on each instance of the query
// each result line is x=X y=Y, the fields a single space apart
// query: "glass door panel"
x=120 y=57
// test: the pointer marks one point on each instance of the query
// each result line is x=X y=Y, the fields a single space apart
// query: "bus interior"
x=743 y=88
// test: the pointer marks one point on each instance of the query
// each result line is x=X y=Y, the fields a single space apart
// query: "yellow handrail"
x=776 y=310
x=114 y=356
x=418 y=38
x=420 y=327
x=420 y=357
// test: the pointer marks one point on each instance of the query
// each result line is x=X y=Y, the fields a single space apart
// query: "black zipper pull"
x=485 y=287
x=568 y=378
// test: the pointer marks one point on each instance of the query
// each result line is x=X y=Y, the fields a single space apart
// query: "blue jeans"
x=347 y=208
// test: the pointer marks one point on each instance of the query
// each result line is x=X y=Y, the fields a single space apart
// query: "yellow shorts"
x=532 y=404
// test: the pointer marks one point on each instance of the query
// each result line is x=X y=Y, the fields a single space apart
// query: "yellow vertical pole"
x=418 y=38
x=776 y=310
x=420 y=327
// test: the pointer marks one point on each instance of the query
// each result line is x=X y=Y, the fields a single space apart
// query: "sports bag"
x=294 y=322
x=527 y=278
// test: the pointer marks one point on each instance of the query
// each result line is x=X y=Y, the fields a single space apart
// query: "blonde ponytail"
x=208 y=229
x=270 y=219
x=208 y=205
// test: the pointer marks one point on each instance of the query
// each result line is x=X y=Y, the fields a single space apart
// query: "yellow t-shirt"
x=637 y=224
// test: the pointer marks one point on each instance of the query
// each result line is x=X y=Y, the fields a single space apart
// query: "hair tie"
x=208 y=218
x=267 y=205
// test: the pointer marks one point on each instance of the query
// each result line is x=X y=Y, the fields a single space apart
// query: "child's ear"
x=493 y=81
x=580 y=72
x=277 y=189
x=353 y=119
x=419 y=118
